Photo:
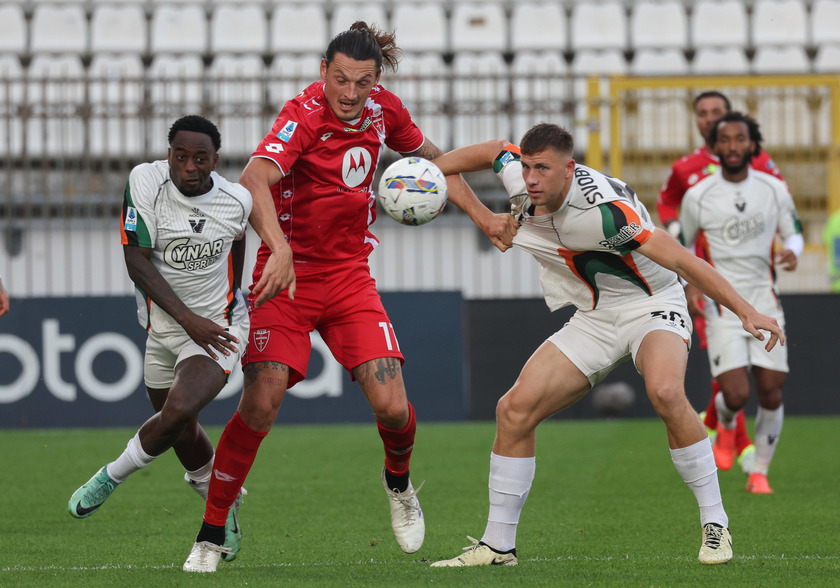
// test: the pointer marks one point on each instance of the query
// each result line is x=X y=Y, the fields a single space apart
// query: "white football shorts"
x=731 y=347
x=163 y=353
x=597 y=341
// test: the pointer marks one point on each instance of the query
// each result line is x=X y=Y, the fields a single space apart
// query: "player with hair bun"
x=315 y=170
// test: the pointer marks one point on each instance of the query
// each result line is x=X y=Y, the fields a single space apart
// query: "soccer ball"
x=614 y=398
x=412 y=191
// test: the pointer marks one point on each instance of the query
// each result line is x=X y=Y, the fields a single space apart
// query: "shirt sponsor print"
x=356 y=166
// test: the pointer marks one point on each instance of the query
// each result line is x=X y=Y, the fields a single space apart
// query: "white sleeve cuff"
x=796 y=244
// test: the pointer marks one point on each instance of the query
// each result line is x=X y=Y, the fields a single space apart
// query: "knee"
x=177 y=413
x=393 y=413
x=770 y=399
x=667 y=397
x=513 y=414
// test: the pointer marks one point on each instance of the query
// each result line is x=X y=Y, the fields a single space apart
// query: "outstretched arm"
x=667 y=252
x=499 y=228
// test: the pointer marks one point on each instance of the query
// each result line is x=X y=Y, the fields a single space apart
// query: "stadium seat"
x=609 y=62
x=422 y=84
x=236 y=81
x=420 y=27
x=299 y=29
x=12 y=29
x=659 y=24
x=719 y=23
x=600 y=25
x=771 y=60
x=720 y=60
x=11 y=93
x=119 y=29
x=176 y=82
x=236 y=89
x=825 y=16
x=56 y=92
x=116 y=95
x=289 y=75
x=779 y=23
x=659 y=62
x=478 y=27
x=541 y=90
x=480 y=89
x=828 y=59
x=59 y=29
x=345 y=15
x=538 y=26
x=239 y=28
x=179 y=29
x=114 y=79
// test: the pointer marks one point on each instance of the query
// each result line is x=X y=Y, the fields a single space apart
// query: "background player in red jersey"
x=686 y=172
x=316 y=166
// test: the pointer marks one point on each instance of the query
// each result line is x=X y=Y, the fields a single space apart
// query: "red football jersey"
x=692 y=168
x=325 y=201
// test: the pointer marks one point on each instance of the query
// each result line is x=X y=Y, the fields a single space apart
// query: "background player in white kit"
x=183 y=230
x=599 y=251
x=735 y=214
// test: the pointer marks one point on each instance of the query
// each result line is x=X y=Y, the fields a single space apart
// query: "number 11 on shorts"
x=390 y=336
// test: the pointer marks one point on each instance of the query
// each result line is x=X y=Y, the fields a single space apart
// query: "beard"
x=739 y=167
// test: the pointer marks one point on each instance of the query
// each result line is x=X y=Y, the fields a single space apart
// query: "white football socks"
x=199 y=480
x=726 y=416
x=768 y=427
x=509 y=485
x=696 y=465
x=131 y=460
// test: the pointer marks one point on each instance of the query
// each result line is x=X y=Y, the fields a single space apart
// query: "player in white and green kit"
x=735 y=215
x=183 y=229
x=600 y=252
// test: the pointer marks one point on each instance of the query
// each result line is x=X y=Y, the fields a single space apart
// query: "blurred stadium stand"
x=88 y=89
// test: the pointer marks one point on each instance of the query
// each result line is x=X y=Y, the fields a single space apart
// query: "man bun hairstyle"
x=363 y=42
x=197 y=124
x=735 y=116
x=544 y=135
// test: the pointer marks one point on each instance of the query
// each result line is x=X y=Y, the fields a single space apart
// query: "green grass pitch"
x=607 y=508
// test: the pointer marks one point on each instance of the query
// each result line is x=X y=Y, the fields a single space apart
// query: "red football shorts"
x=342 y=305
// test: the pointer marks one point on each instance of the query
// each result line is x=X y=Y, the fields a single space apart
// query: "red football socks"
x=234 y=457
x=399 y=444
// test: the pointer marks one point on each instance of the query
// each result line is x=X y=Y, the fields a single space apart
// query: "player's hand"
x=500 y=229
x=786 y=259
x=277 y=275
x=696 y=300
x=4 y=301
x=755 y=322
x=209 y=336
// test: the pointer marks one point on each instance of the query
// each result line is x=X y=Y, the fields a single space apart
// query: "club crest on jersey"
x=261 y=339
x=356 y=166
x=285 y=134
x=131 y=219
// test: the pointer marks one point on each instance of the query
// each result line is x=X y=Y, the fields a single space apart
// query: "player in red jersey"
x=685 y=172
x=316 y=166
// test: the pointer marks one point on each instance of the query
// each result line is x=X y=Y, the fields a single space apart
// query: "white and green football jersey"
x=190 y=239
x=587 y=248
x=736 y=225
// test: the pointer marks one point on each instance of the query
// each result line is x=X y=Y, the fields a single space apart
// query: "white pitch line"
x=773 y=557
